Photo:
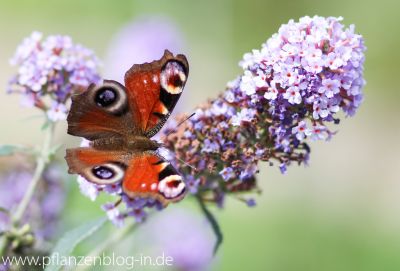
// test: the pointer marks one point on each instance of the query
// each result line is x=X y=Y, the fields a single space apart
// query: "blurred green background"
x=340 y=213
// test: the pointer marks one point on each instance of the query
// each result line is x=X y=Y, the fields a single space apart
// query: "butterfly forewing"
x=154 y=89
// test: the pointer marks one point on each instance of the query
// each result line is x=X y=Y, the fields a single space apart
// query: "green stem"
x=214 y=224
x=41 y=163
x=109 y=243
x=3 y=244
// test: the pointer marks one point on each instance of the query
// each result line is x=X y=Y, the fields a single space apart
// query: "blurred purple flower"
x=142 y=40
x=57 y=111
x=45 y=208
x=187 y=238
x=88 y=189
x=4 y=266
x=251 y=202
x=54 y=67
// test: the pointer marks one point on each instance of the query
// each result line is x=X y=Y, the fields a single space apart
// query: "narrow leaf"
x=214 y=224
x=71 y=239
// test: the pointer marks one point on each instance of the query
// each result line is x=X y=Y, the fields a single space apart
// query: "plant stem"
x=3 y=244
x=213 y=222
x=109 y=243
x=41 y=163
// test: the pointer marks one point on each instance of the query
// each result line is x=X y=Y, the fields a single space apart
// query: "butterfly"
x=119 y=122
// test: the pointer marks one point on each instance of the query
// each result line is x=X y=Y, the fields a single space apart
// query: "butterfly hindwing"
x=99 y=167
x=154 y=89
x=142 y=174
x=150 y=175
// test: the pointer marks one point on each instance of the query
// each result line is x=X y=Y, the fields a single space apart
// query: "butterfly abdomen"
x=133 y=144
x=109 y=143
x=141 y=143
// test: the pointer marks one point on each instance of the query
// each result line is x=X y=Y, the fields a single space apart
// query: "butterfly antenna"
x=170 y=132
x=180 y=123
x=179 y=159
x=192 y=167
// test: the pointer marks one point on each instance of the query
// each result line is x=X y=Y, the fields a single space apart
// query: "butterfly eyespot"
x=105 y=97
x=173 y=77
x=108 y=173
x=111 y=97
x=102 y=172
x=171 y=186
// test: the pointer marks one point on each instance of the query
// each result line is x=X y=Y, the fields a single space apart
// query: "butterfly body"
x=134 y=143
x=119 y=122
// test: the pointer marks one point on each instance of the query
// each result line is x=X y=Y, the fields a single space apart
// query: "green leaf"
x=214 y=224
x=9 y=149
x=66 y=245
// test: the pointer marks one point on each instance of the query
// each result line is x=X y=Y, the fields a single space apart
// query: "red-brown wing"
x=101 y=112
x=99 y=167
x=149 y=175
x=154 y=89
x=142 y=175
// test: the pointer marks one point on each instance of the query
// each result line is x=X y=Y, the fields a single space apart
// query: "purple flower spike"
x=289 y=91
x=54 y=67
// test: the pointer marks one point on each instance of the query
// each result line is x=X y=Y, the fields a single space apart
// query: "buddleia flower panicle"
x=50 y=70
x=289 y=92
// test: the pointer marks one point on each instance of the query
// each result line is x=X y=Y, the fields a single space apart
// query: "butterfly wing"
x=100 y=112
x=96 y=166
x=151 y=175
x=142 y=174
x=154 y=89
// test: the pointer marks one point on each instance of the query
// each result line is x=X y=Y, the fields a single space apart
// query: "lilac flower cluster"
x=124 y=207
x=289 y=90
x=53 y=67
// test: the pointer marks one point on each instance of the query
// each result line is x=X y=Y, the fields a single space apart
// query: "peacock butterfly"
x=120 y=120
